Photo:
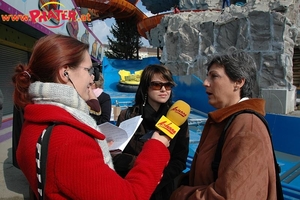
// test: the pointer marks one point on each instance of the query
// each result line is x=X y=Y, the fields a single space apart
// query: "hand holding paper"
x=120 y=135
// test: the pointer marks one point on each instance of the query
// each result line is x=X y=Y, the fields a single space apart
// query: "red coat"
x=75 y=165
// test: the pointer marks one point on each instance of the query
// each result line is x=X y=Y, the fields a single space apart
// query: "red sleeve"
x=81 y=172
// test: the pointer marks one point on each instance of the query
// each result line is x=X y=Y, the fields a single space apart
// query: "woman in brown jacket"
x=246 y=169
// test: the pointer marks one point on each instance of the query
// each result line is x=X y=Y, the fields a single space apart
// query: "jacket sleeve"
x=88 y=177
x=246 y=169
x=179 y=152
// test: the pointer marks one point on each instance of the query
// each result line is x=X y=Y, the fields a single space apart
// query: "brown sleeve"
x=94 y=105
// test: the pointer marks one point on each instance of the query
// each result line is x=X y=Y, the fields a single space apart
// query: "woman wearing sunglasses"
x=152 y=100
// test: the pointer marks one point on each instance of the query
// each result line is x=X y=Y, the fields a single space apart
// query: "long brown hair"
x=50 y=53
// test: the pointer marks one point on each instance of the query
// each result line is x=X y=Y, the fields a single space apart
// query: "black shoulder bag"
x=215 y=164
x=41 y=156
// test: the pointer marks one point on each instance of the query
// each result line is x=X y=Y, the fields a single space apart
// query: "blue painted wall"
x=190 y=88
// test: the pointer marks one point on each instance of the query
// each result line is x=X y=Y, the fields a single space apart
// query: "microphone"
x=169 y=124
x=175 y=117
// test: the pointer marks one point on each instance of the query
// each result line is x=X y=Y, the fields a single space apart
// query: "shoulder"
x=70 y=132
x=247 y=126
x=249 y=120
x=104 y=95
x=129 y=112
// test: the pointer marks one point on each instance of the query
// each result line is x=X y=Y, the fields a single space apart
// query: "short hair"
x=237 y=65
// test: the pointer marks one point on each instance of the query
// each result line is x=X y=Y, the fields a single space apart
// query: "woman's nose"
x=205 y=82
x=163 y=88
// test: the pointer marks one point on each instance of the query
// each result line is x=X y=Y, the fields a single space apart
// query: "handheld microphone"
x=175 y=117
x=169 y=125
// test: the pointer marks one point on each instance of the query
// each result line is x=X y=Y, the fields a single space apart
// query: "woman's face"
x=222 y=92
x=82 y=77
x=159 y=91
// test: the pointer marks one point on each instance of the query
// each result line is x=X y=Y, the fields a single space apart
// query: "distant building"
x=144 y=52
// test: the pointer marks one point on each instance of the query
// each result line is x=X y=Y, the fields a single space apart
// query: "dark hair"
x=237 y=65
x=145 y=81
x=50 y=53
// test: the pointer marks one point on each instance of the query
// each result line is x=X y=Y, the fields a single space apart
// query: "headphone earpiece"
x=66 y=74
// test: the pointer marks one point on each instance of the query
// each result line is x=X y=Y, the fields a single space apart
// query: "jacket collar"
x=255 y=104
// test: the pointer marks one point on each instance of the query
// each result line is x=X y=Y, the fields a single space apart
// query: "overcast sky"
x=102 y=28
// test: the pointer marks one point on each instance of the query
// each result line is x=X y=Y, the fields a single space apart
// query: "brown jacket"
x=246 y=169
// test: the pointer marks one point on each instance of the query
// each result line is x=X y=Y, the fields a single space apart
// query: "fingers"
x=162 y=138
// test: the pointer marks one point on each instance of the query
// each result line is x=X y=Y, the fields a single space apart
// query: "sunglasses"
x=156 y=85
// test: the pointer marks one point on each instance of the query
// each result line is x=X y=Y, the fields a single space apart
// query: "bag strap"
x=41 y=156
x=215 y=164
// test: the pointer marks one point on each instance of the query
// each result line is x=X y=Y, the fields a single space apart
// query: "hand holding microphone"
x=169 y=125
x=162 y=138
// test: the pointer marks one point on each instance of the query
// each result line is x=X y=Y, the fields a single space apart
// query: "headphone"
x=66 y=74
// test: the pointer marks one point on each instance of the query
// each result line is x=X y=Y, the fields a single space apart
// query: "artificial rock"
x=268 y=30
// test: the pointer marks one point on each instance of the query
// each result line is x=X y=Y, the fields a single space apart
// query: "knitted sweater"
x=76 y=167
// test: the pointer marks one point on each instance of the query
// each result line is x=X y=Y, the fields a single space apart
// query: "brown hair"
x=50 y=53
x=99 y=83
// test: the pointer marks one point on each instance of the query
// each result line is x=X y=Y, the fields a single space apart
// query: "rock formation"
x=268 y=30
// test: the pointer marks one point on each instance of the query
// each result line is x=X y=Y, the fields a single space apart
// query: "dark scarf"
x=150 y=116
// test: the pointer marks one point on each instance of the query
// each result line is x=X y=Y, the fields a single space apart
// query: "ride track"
x=121 y=9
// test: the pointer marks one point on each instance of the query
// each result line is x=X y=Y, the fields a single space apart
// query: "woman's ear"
x=240 y=83
x=63 y=75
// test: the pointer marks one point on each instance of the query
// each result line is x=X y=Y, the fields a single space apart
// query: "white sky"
x=102 y=28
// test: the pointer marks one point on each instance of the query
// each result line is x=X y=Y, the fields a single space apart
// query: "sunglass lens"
x=159 y=85
x=168 y=86
x=156 y=86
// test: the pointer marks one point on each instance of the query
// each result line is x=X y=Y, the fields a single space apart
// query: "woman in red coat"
x=54 y=88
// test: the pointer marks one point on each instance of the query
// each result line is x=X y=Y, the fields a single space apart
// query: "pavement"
x=13 y=184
